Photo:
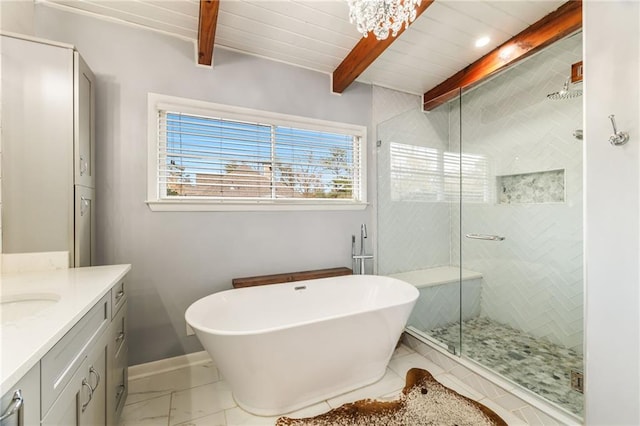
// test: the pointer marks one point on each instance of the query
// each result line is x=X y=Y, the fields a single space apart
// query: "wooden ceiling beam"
x=364 y=53
x=207 y=30
x=565 y=20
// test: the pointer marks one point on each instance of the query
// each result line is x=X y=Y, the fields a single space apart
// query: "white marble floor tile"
x=310 y=411
x=171 y=381
x=510 y=402
x=152 y=412
x=216 y=419
x=507 y=416
x=403 y=364
x=401 y=350
x=483 y=386
x=390 y=382
x=200 y=401
x=238 y=417
x=391 y=396
x=457 y=385
x=536 y=418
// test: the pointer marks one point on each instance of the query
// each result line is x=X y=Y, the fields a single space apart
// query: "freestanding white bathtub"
x=286 y=346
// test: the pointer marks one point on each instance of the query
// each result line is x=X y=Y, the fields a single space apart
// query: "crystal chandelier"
x=382 y=16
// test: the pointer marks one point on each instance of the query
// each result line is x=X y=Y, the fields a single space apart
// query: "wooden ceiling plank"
x=558 y=24
x=207 y=30
x=364 y=53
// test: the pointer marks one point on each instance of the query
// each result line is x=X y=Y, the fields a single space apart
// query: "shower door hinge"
x=452 y=348
x=577 y=381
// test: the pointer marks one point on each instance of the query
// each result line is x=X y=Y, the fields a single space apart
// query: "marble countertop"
x=25 y=341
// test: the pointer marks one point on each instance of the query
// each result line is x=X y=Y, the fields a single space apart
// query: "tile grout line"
x=170 y=404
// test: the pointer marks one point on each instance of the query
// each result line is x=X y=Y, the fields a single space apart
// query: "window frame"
x=157 y=102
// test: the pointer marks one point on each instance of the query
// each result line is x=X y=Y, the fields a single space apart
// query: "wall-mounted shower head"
x=565 y=93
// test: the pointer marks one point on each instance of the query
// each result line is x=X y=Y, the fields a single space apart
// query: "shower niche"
x=480 y=207
x=531 y=188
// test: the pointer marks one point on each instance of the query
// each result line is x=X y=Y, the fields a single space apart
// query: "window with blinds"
x=421 y=173
x=240 y=157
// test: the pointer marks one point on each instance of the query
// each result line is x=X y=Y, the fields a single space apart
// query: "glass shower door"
x=417 y=193
x=521 y=223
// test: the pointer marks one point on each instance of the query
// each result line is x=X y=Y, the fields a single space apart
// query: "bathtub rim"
x=199 y=327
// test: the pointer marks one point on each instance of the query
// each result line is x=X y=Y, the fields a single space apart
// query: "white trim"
x=111 y=19
x=231 y=205
x=140 y=371
x=37 y=39
x=157 y=101
x=199 y=107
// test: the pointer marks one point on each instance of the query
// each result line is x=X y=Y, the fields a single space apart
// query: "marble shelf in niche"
x=532 y=188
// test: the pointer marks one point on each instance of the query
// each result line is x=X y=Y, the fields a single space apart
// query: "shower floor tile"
x=536 y=364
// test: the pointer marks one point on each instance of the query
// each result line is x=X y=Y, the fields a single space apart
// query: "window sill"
x=236 y=206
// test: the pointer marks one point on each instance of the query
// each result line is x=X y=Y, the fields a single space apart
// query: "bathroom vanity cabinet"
x=82 y=378
x=48 y=149
x=118 y=354
x=23 y=400
x=73 y=372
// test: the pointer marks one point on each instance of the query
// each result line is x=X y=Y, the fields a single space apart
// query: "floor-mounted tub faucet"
x=357 y=263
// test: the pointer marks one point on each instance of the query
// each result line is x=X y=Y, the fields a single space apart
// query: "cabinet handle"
x=85 y=383
x=16 y=407
x=119 y=295
x=120 y=337
x=94 y=372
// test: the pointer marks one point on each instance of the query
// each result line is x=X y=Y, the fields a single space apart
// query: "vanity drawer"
x=120 y=378
x=118 y=297
x=119 y=330
x=62 y=361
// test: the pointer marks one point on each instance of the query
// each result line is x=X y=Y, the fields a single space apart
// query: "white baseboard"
x=140 y=371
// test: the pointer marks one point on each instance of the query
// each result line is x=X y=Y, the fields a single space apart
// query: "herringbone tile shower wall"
x=412 y=235
x=533 y=280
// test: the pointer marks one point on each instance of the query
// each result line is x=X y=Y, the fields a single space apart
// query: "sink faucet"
x=358 y=260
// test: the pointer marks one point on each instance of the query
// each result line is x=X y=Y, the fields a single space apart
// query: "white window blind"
x=421 y=173
x=208 y=157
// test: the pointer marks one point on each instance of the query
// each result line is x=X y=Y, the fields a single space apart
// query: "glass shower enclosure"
x=480 y=206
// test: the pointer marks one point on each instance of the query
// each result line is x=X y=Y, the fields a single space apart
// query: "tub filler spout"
x=358 y=260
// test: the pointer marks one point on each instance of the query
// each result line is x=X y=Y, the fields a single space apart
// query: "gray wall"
x=180 y=257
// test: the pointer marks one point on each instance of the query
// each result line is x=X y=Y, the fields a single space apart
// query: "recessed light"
x=482 y=41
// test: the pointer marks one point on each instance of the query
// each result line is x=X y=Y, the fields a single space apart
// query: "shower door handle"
x=485 y=237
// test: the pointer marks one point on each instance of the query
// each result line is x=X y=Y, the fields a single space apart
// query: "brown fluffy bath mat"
x=424 y=401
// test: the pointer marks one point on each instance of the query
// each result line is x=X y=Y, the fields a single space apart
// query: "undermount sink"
x=16 y=307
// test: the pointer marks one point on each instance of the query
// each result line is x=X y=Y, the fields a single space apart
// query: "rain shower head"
x=565 y=93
